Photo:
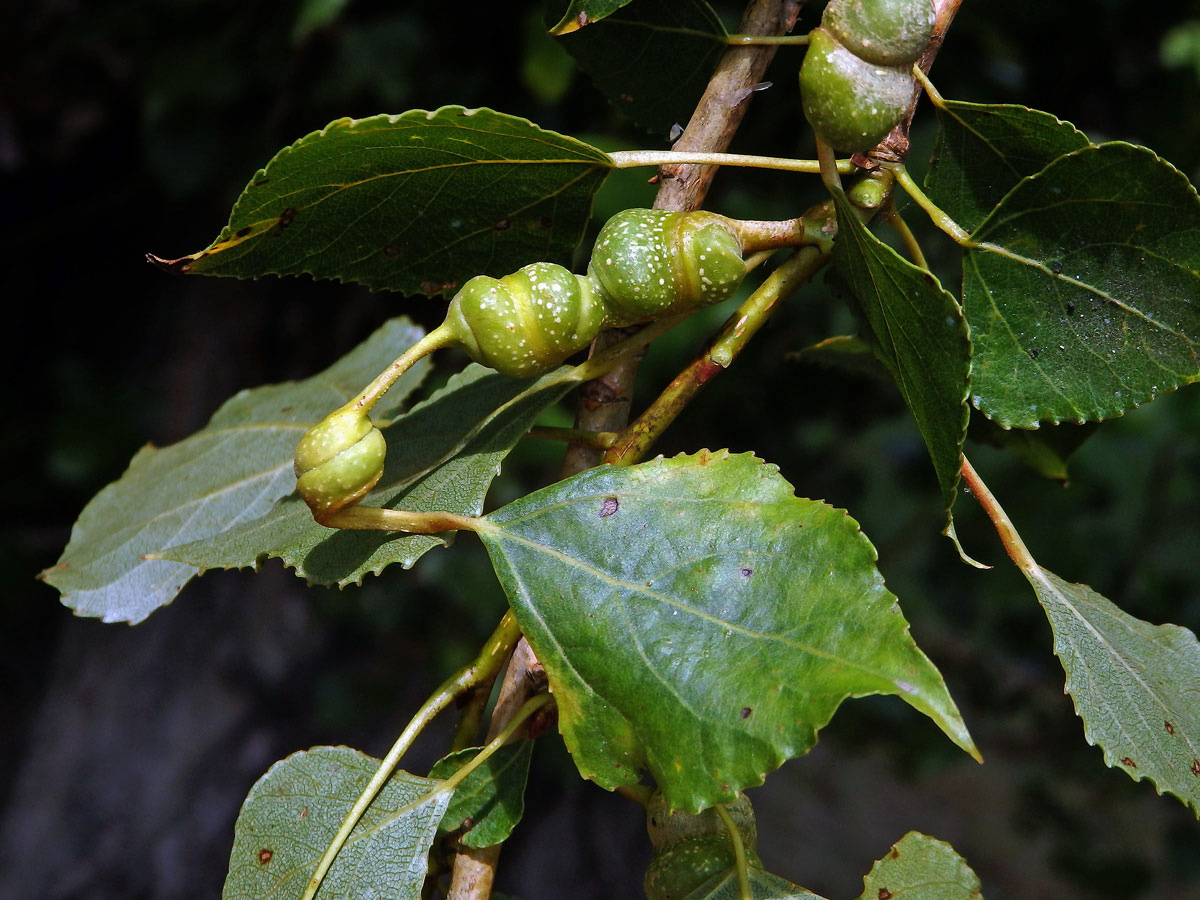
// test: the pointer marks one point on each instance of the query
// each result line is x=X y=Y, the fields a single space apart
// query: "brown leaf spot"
x=503 y=225
x=389 y=250
x=895 y=853
x=608 y=507
x=242 y=232
x=746 y=712
x=261 y=182
x=286 y=218
x=1170 y=728
x=884 y=894
x=627 y=98
x=1196 y=767
x=304 y=813
x=1129 y=762
x=546 y=222
x=264 y=856
x=747 y=572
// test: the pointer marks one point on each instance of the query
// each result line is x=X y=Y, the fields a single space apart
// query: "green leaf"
x=492 y=797
x=984 y=150
x=917 y=331
x=652 y=60
x=442 y=456
x=697 y=619
x=1133 y=684
x=417 y=202
x=1082 y=292
x=229 y=473
x=921 y=868
x=584 y=12
x=292 y=813
x=763 y=886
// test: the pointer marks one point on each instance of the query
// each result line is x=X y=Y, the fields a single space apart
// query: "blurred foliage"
x=130 y=127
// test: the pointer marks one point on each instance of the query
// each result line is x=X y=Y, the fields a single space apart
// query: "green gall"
x=527 y=322
x=338 y=461
x=850 y=103
x=650 y=263
x=883 y=32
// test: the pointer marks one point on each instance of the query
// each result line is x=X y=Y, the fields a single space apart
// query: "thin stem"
x=373 y=518
x=528 y=709
x=740 y=862
x=637 y=439
x=892 y=216
x=934 y=95
x=474 y=868
x=628 y=159
x=606 y=359
x=757 y=259
x=483 y=668
x=1013 y=545
x=828 y=168
x=600 y=439
x=940 y=218
x=756 y=236
x=434 y=340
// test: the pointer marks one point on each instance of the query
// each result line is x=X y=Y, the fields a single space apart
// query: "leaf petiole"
x=481 y=670
x=939 y=216
x=739 y=853
x=629 y=159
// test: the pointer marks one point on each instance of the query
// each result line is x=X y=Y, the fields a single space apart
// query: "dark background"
x=130 y=127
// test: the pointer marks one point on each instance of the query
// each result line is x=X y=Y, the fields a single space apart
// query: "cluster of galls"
x=646 y=263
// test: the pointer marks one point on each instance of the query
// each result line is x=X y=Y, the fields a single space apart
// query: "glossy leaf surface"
x=442 y=456
x=418 y=202
x=652 y=60
x=292 y=813
x=921 y=868
x=1133 y=685
x=490 y=801
x=984 y=150
x=917 y=331
x=224 y=476
x=1082 y=295
x=697 y=619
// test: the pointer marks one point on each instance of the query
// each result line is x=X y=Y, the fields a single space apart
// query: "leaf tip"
x=570 y=24
x=180 y=266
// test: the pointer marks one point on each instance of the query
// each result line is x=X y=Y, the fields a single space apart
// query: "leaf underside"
x=490 y=801
x=919 y=867
x=293 y=812
x=443 y=455
x=417 y=203
x=1133 y=684
x=224 y=476
x=917 y=331
x=698 y=620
